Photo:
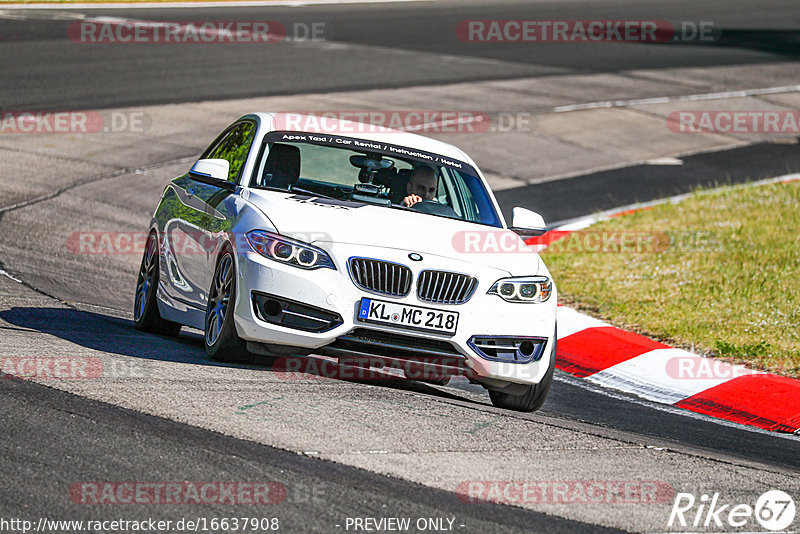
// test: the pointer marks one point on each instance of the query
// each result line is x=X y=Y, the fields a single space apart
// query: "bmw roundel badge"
x=415 y=257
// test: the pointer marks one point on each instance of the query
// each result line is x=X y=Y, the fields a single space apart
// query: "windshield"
x=356 y=170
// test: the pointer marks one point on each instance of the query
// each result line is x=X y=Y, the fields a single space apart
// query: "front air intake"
x=445 y=287
x=292 y=314
x=508 y=349
x=383 y=277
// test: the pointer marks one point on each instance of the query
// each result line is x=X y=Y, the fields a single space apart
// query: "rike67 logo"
x=774 y=510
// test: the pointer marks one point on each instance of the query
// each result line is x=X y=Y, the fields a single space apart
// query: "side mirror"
x=211 y=168
x=212 y=172
x=527 y=223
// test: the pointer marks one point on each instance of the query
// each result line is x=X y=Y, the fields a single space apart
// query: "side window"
x=463 y=199
x=234 y=148
x=447 y=194
x=442 y=191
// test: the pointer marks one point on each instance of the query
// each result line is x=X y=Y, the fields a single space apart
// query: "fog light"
x=271 y=307
x=526 y=348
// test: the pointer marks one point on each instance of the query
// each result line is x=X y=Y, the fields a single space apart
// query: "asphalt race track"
x=384 y=45
x=345 y=448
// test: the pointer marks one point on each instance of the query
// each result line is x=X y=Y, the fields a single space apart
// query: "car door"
x=195 y=235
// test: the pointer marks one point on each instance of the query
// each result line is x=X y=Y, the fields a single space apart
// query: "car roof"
x=387 y=135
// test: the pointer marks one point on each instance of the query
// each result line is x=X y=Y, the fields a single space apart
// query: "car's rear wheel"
x=534 y=395
x=145 y=308
x=221 y=340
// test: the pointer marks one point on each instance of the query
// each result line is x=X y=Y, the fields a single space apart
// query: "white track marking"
x=682 y=98
x=13 y=13
x=663 y=161
x=2 y=272
x=116 y=21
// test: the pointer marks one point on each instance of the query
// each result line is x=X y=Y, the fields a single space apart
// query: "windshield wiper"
x=297 y=190
x=307 y=192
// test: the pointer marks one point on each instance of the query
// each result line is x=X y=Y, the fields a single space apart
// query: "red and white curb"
x=614 y=358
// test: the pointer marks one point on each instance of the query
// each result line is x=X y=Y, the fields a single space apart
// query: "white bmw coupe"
x=351 y=241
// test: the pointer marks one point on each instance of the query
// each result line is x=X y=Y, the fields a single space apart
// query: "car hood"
x=318 y=221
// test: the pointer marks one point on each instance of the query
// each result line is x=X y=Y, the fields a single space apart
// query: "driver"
x=421 y=186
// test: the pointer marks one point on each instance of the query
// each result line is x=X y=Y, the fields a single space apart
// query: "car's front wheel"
x=534 y=395
x=145 y=308
x=221 y=340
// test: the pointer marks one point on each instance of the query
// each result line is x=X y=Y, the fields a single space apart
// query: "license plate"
x=405 y=316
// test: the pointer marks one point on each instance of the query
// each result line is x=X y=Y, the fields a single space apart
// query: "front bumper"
x=333 y=293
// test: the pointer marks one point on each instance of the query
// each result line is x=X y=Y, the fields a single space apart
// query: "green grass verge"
x=722 y=276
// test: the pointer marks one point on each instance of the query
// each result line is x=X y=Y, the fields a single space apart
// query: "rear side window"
x=233 y=147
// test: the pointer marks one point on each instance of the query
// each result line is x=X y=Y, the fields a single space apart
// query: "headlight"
x=285 y=250
x=523 y=289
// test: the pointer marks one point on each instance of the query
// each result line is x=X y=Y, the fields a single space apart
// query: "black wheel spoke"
x=146 y=279
x=218 y=299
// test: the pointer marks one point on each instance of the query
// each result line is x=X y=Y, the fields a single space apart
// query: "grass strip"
x=717 y=273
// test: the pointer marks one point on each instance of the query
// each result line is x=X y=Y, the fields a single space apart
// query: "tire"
x=145 y=308
x=534 y=397
x=222 y=342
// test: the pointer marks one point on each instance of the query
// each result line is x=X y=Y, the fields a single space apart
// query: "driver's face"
x=423 y=183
